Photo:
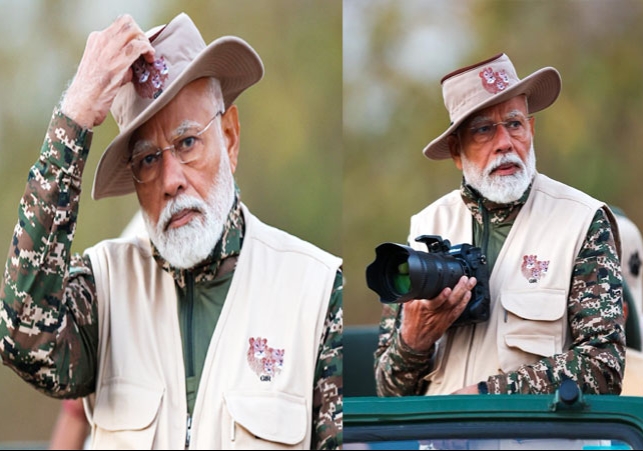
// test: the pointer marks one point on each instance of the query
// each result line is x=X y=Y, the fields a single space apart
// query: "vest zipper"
x=189 y=292
x=188 y=433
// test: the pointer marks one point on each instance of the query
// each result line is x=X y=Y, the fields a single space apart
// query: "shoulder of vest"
x=448 y=200
x=133 y=244
x=559 y=190
x=281 y=241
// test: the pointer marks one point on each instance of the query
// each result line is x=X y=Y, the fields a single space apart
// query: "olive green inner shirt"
x=492 y=222
x=497 y=236
x=199 y=312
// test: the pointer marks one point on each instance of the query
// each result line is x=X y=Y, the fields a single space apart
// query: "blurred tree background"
x=396 y=52
x=290 y=164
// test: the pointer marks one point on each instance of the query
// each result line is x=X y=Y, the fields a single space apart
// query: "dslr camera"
x=400 y=274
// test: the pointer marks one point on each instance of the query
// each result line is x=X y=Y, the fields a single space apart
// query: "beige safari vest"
x=529 y=283
x=250 y=396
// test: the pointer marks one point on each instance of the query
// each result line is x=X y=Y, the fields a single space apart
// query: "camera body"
x=400 y=274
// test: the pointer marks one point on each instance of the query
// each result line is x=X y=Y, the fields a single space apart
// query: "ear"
x=532 y=125
x=231 y=133
x=454 y=148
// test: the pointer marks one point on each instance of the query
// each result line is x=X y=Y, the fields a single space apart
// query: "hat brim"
x=541 y=88
x=229 y=59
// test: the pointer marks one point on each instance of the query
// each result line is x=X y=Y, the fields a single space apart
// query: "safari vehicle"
x=565 y=420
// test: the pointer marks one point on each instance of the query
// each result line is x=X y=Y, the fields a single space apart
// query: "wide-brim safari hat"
x=184 y=57
x=488 y=83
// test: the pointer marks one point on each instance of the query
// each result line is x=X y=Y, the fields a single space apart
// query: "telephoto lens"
x=401 y=274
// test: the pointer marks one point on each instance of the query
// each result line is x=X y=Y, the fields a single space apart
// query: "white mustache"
x=505 y=159
x=177 y=205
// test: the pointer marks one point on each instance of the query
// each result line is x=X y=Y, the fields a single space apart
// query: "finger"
x=466 y=297
x=464 y=285
x=145 y=45
x=124 y=26
x=133 y=51
x=141 y=43
x=137 y=47
x=123 y=31
x=140 y=46
x=150 y=54
x=418 y=304
x=440 y=300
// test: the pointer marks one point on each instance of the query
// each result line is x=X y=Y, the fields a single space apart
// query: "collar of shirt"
x=498 y=213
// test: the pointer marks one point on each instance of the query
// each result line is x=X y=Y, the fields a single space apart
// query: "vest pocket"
x=531 y=326
x=264 y=420
x=125 y=415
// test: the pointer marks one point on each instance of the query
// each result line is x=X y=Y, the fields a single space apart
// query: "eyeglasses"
x=189 y=147
x=484 y=132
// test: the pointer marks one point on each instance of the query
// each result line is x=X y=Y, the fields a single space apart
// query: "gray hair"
x=217 y=94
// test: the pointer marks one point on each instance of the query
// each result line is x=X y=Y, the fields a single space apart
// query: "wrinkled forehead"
x=141 y=142
x=514 y=107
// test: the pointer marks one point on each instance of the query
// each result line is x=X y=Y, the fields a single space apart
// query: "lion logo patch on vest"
x=265 y=361
x=534 y=269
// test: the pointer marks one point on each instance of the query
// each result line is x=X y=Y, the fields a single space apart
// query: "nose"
x=502 y=139
x=173 y=179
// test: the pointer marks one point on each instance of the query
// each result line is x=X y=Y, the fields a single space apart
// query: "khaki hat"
x=488 y=83
x=184 y=57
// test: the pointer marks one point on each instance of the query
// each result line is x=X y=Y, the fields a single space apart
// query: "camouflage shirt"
x=595 y=318
x=48 y=317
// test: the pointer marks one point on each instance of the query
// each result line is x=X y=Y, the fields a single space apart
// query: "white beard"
x=502 y=189
x=186 y=246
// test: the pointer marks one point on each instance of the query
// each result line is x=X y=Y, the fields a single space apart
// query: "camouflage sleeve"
x=327 y=393
x=595 y=316
x=399 y=370
x=48 y=328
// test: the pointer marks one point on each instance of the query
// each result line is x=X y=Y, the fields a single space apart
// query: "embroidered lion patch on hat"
x=149 y=78
x=494 y=81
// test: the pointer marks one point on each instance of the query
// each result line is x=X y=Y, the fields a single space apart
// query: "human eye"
x=186 y=144
x=146 y=159
x=145 y=164
x=515 y=124
x=482 y=129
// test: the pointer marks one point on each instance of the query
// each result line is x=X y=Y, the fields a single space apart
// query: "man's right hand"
x=425 y=321
x=103 y=69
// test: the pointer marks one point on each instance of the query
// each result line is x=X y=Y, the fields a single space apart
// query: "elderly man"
x=218 y=330
x=552 y=251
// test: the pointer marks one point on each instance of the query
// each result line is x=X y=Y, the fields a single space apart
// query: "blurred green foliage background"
x=291 y=126
x=396 y=52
